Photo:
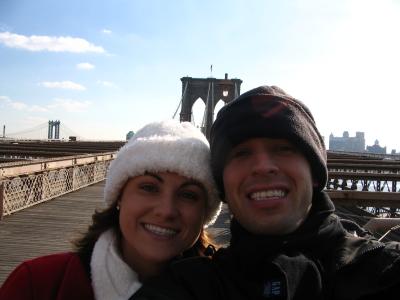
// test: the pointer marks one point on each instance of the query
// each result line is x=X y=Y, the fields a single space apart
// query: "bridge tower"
x=53 y=130
x=210 y=90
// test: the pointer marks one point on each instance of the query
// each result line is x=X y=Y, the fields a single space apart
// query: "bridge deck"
x=50 y=226
x=46 y=228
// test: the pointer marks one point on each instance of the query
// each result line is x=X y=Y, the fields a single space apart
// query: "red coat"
x=58 y=276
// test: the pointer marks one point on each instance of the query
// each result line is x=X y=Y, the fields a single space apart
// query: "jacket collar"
x=321 y=223
x=323 y=233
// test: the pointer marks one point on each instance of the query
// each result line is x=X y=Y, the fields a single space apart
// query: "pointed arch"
x=207 y=89
x=220 y=104
x=198 y=109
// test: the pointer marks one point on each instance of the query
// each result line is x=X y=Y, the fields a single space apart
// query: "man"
x=269 y=162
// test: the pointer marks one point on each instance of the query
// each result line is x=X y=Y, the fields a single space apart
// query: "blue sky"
x=106 y=67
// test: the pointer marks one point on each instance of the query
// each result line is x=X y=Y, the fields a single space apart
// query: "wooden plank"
x=46 y=228
x=359 y=198
x=363 y=161
x=364 y=175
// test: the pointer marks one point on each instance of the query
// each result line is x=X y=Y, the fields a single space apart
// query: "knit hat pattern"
x=167 y=146
x=267 y=111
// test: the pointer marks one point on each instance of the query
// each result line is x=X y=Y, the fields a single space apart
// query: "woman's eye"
x=147 y=187
x=189 y=195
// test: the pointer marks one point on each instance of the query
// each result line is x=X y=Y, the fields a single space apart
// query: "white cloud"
x=65 y=105
x=37 y=108
x=58 y=104
x=108 y=84
x=106 y=31
x=85 y=66
x=48 y=43
x=18 y=105
x=68 y=85
x=70 y=105
x=33 y=121
x=5 y=99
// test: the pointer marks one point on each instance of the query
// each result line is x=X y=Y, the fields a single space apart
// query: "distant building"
x=376 y=148
x=347 y=143
x=129 y=135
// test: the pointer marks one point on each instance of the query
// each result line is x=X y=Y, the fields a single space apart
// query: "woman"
x=160 y=196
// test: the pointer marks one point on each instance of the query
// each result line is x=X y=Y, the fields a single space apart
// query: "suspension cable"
x=183 y=96
x=207 y=104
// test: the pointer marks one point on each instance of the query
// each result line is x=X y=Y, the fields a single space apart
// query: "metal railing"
x=25 y=184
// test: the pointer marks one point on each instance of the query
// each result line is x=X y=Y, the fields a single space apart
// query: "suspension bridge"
x=51 y=130
x=363 y=186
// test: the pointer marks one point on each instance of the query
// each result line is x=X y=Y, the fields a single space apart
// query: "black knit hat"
x=267 y=111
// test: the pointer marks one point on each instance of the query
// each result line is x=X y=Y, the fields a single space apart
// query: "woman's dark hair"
x=102 y=220
x=202 y=246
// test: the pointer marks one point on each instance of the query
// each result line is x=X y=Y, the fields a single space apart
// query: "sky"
x=104 y=68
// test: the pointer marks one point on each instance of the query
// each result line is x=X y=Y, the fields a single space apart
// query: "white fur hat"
x=165 y=146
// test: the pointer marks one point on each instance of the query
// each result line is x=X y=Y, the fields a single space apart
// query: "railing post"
x=1 y=198
x=75 y=181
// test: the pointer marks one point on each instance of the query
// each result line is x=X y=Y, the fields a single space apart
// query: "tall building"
x=347 y=143
x=376 y=148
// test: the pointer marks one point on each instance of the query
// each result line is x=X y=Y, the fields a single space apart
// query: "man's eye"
x=287 y=149
x=240 y=153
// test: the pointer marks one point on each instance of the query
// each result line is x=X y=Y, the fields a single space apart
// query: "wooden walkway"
x=47 y=227
x=50 y=227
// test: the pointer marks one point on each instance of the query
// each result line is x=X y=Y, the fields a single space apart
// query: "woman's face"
x=161 y=215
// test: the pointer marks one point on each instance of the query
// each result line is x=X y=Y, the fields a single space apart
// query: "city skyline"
x=66 y=133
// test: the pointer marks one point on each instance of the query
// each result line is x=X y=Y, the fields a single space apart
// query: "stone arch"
x=210 y=90
x=198 y=110
x=220 y=103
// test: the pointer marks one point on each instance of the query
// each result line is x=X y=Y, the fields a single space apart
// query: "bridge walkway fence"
x=371 y=185
x=25 y=184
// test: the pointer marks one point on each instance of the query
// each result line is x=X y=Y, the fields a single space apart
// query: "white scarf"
x=112 y=278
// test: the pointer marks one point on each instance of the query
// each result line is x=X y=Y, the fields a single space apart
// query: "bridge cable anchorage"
x=180 y=103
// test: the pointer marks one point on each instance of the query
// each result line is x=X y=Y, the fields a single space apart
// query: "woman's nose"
x=166 y=207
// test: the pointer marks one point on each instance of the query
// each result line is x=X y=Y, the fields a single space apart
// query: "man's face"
x=268 y=185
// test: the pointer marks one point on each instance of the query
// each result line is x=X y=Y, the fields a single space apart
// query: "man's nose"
x=264 y=163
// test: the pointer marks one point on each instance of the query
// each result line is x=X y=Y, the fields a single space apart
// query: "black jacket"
x=322 y=259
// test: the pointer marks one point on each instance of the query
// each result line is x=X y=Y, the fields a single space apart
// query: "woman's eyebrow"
x=194 y=182
x=159 y=178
